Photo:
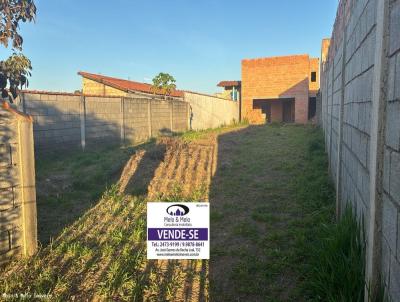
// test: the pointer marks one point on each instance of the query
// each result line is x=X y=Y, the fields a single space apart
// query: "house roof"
x=125 y=85
x=229 y=83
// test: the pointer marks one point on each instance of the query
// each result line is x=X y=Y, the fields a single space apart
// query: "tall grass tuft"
x=336 y=271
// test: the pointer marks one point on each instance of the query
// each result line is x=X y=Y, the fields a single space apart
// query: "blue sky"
x=198 y=42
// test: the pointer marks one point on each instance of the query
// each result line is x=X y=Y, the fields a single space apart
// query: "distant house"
x=97 y=84
x=232 y=90
x=279 y=89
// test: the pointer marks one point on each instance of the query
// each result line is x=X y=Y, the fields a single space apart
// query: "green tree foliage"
x=164 y=83
x=15 y=70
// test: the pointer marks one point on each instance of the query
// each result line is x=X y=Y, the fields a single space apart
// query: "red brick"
x=278 y=77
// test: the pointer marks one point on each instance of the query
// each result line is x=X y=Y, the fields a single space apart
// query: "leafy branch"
x=15 y=70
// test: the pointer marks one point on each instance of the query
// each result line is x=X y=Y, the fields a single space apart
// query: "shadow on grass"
x=143 y=165
x=70 y=184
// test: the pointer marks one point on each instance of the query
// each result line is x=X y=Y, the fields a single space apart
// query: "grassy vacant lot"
x=269 y=194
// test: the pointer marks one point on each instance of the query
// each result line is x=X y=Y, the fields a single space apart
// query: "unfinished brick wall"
x=18 y=227
x=96 y=88
x=360 y=92
x=313 y=86
x=278 y=77
x=67 y=121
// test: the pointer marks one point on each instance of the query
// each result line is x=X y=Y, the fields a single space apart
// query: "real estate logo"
x=177 y=210
x=178 y=231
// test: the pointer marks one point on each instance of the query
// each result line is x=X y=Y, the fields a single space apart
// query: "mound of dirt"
x=171 y=165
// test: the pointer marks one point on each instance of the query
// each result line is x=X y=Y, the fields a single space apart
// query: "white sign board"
x=178 y=230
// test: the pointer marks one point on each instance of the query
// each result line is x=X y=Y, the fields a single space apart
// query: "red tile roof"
x=45 y=92
x=229 y=83
x=124 y=85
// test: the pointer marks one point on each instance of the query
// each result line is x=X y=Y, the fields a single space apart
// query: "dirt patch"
x=172 y=167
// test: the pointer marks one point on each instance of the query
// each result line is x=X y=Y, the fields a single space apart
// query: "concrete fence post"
x=340 y=134
x=149 y=117
x=122 y=104
x=188 y=116
x=82 y=114
x=331 y=103
x=171 y=115
x=27 y=185
x=373 y=252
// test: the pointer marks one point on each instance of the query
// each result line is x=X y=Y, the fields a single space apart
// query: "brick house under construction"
x=279 y=89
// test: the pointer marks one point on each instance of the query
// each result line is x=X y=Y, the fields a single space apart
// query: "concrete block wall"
x=180 y=116
x=56 y=119
x=103 y=119
x=18 y=227
x=208 y=111
x=357 y=104
x=68 y=121
x=136 y=117
x=391 y=163
x=360 y=91
x=161 y=117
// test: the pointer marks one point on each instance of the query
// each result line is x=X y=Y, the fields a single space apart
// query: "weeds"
x=112 y=193
x=176 y=194
x=193 y=135
x=334 y=252
x=336 y=269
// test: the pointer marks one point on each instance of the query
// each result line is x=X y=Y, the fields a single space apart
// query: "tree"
x=15 y=70
x=164 y=83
